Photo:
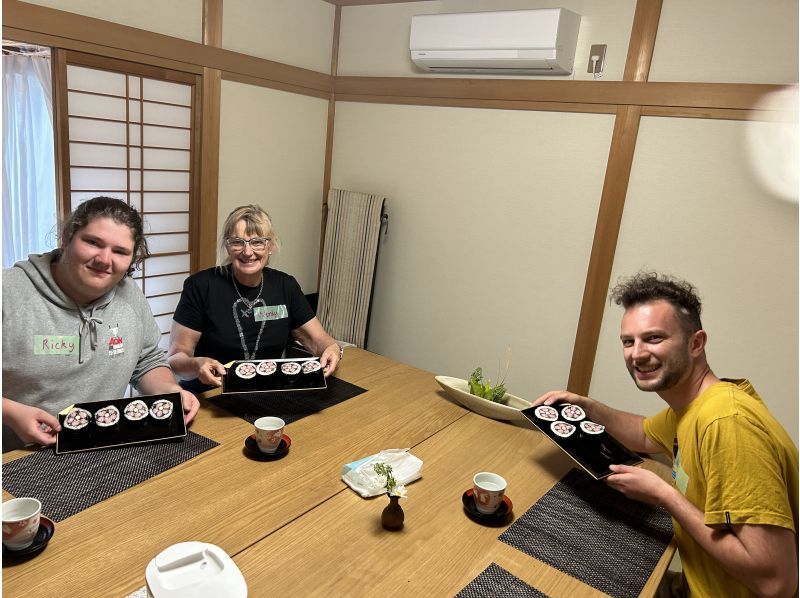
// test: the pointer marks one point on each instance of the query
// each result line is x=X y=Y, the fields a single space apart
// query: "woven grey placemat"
x=593 y=533
x=68 y=484
x=289 y=405
x=496 y=582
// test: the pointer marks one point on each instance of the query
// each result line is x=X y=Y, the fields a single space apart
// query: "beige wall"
x=178 y=18
x=720 y=41
x=296 y=32
x=272 y=149
x=491 y=216
x=374 y=39
x=694 y=209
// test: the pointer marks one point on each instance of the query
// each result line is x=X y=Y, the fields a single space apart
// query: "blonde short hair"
x=257 y=224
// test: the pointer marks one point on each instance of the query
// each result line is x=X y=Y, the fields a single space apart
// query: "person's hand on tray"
x=210 y=371
x=564 y=396
x=31 y=424
x=639 y=484
x=329 y=360
x=190 y=405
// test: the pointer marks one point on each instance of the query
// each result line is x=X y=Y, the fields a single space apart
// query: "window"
x=29 y=196
x=129 y=131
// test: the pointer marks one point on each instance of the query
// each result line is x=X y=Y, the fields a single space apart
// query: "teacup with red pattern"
x=269 y=431
x=20 y=522
x=488 y=489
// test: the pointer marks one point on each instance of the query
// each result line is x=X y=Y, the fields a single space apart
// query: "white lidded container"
x=194 y=570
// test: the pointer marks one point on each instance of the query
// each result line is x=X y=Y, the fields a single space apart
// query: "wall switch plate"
x=597 y=50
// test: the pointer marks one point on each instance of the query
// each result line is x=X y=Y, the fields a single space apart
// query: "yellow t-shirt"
x=733 y=461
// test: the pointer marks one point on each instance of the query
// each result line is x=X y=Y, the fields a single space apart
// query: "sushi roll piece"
x=290 y=368
x=77 y=420
x=572 y=413
x=161 y=411
x=266 y=368
x=546 y=413
x=592 y=428
x=246 y=370
x=562 y=429
x=136 y=412
x=311 y=366
x=107 y=418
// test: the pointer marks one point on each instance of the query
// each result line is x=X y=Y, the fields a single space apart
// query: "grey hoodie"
x=56 y=353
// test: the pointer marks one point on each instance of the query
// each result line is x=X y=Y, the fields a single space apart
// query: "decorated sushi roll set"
x=273 y=375
x=587 y=442
x=103 y=424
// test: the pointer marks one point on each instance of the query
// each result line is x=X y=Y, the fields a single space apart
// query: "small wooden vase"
x=393 y=516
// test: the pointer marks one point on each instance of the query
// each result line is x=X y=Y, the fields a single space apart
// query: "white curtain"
x=29 y=194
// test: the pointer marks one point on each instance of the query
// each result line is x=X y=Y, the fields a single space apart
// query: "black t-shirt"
x=206 y=305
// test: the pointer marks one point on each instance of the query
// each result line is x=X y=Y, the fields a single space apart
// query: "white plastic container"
x=194 y=570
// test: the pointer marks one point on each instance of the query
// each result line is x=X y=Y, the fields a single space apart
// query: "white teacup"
x=488 y=489
x=269 y=431
x=20 y=522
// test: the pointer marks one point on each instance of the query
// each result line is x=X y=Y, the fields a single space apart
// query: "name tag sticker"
x=681 y=480
x=46 y=344
x=270 y=312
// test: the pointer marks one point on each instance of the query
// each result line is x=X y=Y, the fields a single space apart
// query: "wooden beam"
x=615 y=93
x=212 y=23
x=601 y=260
x=612 y=200
x=209 y=170
x=206 y=209
x=643 y=40
x=487 y=104
x=61 y=133
x=326 y=176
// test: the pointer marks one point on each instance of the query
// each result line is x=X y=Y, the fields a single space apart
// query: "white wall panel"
x=374 y=39
x=178 y=18
x=694 y=209
x=727 y=41
x=490 y=230
x=272 y=152
x=296 y=32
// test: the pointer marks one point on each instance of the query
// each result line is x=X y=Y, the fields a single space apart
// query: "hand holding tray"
x=585 y=441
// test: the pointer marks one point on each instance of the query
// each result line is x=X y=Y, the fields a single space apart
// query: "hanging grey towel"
x=348 y=264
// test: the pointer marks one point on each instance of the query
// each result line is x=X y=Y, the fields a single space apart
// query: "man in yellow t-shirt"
x=734 y=496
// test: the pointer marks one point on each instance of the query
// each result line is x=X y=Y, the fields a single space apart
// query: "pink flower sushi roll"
x=290 y=369
x=136 y=412
x=107 y=418
x=311 y=366
x=161 y=411
x=77 y=420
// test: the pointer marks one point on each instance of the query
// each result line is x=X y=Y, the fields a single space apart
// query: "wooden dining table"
x=292 y=525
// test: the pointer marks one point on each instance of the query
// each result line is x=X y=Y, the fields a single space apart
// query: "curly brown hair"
x=645 y=287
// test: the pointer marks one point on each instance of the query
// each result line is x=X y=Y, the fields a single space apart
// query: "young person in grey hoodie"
x=77 y=328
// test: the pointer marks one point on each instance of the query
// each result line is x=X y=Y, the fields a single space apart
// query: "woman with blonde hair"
x=242 y=309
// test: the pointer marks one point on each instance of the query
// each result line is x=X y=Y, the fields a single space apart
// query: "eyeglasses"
x=256 y=243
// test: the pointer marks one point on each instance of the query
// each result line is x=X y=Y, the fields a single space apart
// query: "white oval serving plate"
x=459 y=390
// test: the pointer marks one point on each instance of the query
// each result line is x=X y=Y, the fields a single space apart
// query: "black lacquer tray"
x=126 y=432
x=275 y=382
x=593 y=452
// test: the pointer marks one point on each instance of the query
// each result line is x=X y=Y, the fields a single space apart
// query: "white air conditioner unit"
x=525 y=42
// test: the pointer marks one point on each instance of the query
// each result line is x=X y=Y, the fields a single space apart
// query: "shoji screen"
x=130 y=134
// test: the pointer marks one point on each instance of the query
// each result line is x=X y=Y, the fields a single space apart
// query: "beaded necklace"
x=247 y=312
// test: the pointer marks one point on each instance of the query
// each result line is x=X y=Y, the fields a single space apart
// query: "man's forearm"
x=766 y=566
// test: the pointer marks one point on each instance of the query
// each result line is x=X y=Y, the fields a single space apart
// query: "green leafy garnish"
x=484 y=389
